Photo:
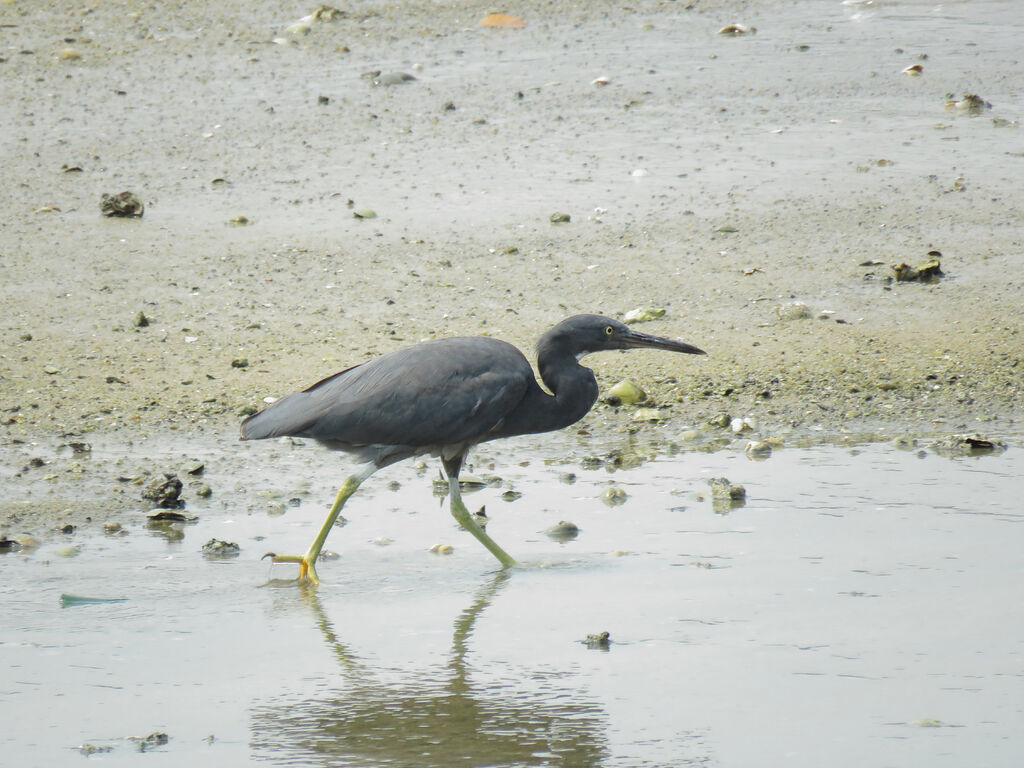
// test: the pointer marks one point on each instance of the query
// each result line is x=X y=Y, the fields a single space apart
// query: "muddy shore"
x=757 y=188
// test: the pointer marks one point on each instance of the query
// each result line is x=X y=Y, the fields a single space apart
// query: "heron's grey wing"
x=443 y=392
x=288 y=416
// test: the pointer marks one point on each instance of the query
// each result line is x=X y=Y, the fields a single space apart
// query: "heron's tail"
x=289 y=416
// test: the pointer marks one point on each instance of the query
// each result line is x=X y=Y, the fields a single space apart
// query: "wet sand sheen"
x=860 y=599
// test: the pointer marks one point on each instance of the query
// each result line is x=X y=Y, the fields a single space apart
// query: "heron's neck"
x=574 y=391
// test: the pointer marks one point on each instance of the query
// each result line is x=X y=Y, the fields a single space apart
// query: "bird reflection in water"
x=440 y=718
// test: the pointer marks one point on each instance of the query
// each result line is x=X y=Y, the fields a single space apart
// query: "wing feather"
x=437 y=393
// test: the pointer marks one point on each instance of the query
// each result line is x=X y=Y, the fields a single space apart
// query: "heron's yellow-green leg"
x=465 y=519
x=307 y=562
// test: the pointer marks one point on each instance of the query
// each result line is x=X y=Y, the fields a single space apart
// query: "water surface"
x=863 y=607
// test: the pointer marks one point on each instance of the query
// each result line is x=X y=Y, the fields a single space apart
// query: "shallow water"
x=862 y=608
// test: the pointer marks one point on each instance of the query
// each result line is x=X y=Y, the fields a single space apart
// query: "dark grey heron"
x=442 y=397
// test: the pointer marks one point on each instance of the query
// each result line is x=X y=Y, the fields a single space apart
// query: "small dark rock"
x=563 y=531
x=599 y=641
x=218 y=548
x=156 y=739
x=165 y=492
x=967 y=445
x=124 y=205
x=726 y=496
x=170 y=516
x=928 y=271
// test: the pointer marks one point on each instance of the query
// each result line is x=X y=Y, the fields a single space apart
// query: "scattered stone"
x=298 y=28
x=928 y=271
x=721 y=487
x=563 y=530
x=156 y=739
x=51 y=370
x=218 y=548
x=328 y=13
x=737 y=30
x=511 y=495
x=626 y=392
x=758 y=449
x=614 y=497
x=94 y=749
x=560 y=218
x=967 y=445
x=123 y=205
x=971 y=104
x=204 y=491
x=77 y=448
x=392 y=78
x=141 y=321
x=165 y=492
x=795 y=310
x=193 y=467
x=725 y=495
x=746 y=424
x=240 y=362
x=170 y=516
x=598 y=641
x=643 y=315
x=648 y=414
x=720 y=419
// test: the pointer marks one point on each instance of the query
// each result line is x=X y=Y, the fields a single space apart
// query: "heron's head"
x=583 y=334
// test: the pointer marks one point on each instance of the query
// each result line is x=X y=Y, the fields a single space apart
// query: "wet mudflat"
x=862 y=607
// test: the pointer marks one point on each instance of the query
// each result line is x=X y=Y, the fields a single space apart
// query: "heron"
x=442 y=397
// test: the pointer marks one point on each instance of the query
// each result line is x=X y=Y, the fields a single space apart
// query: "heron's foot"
x=307 y=567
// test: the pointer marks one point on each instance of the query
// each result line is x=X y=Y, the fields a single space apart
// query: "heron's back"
x=448 y=392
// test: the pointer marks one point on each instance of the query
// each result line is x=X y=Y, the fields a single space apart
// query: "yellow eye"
x=608 y=330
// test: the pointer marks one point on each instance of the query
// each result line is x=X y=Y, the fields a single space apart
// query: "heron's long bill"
x=635 y=340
